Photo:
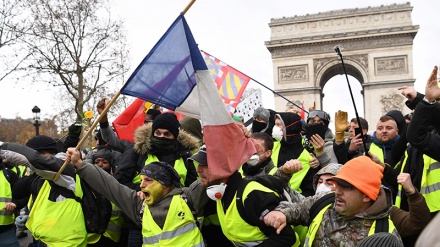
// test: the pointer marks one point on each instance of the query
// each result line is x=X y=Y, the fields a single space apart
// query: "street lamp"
x=36 y=112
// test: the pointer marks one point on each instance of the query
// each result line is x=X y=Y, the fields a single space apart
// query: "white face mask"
x=253 y=161
x=322 y=188
x=216 y=192
x=277 y=133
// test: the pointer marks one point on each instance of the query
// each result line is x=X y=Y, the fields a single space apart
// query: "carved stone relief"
x=362 y=60
x=391 y=101
x=352 y=45
x=297 y=73
x=390 y=65
x=292 y=108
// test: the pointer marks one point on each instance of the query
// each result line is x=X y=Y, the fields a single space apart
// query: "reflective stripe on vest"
x=179 y=166
x=430 y=184
x=376 y=150
x=316 y=223
x=6 y=217
x=180 y=227
x=297 y=177
x=115 y=224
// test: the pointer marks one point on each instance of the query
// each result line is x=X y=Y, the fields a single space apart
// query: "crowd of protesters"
x=304 y=186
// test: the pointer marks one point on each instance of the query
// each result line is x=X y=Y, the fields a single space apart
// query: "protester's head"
x=400 y=120
x=354 y=124
x=357 y=185
x=103 y=158
x=386 y=129
x=290 y=126
x=381 y=239
x=157 y=180
x=99 y=140
x=321 y=182
x=201 y=161
x=260 y=121
x=43 y=144
x=166 y=126
x=318 y=116
x=192 y=126
x=263 y=145
x=150 y=115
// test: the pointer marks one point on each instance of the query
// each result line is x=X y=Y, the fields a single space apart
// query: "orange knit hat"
x=362 y=173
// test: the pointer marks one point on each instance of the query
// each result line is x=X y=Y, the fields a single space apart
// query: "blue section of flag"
x=166 y=76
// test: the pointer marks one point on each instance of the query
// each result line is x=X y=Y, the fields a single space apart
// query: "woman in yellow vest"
x=163 y=214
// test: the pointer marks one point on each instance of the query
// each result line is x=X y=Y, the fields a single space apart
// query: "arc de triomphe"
x=376 y=44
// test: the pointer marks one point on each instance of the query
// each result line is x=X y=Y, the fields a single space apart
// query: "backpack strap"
x=320 y=204
x=382 y=225
x=6 y=173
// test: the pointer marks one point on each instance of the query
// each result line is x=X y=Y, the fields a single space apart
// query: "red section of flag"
x=302 y=114
x=133 y=117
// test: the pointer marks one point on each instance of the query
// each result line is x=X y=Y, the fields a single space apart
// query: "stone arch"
x=376 y=43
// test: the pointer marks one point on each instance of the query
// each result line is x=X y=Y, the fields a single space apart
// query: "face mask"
x=253 y=161
x=322 y=188
x=277 y=133
x=215 y=192
x=259 y=127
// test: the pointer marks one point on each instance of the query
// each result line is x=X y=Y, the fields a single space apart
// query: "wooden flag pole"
x=83 y=139
x=55 y=178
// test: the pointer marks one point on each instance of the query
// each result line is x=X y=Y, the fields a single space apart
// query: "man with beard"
x=163 y=215
x=160 y=141
x=360 y=208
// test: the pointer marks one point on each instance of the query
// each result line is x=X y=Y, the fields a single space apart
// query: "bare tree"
x=76 y=45
x=13 y=25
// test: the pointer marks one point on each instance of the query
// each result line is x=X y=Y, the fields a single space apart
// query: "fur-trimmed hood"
x=142 y=143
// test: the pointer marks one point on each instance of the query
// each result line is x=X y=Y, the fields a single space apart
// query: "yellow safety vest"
x=180 y=228
x=298 y=177
x=179 y=166
x=430 y=185
x=6 y=217
x=376 y=150
x=237 y=230
x=115 y=224
x=316 y=223
x=58 y=224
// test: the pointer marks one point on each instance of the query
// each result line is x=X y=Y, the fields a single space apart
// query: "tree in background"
x=13 y=26
x=76 y=45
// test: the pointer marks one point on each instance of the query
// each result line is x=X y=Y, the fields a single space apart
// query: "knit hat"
x=104 y=153
x=262 y=113
x=192 y=126
x=167 y=121
x=362 y=173
x=162 y=172
x=43 y=144
x=200 y=156
x=153 y=113
x=380 y=239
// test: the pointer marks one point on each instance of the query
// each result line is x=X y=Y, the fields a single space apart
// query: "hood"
x=399 y=118
x=143 y=133
x=381 y=207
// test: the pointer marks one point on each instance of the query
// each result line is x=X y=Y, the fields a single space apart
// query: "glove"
x=20 y=222
x=75 y=130
x=341 y=125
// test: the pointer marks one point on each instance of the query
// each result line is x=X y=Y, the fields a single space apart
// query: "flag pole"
x=104 y=112
x=265 y=87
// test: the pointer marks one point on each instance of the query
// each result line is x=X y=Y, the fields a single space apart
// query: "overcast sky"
x=235 y=32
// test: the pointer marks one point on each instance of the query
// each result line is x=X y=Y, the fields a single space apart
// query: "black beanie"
x=153 y=112
x=380 y=239
x=43 y=144
x=167 y=121
x=163 y=173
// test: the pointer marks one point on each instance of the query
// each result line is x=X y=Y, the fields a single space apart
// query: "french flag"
x=174 y=75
